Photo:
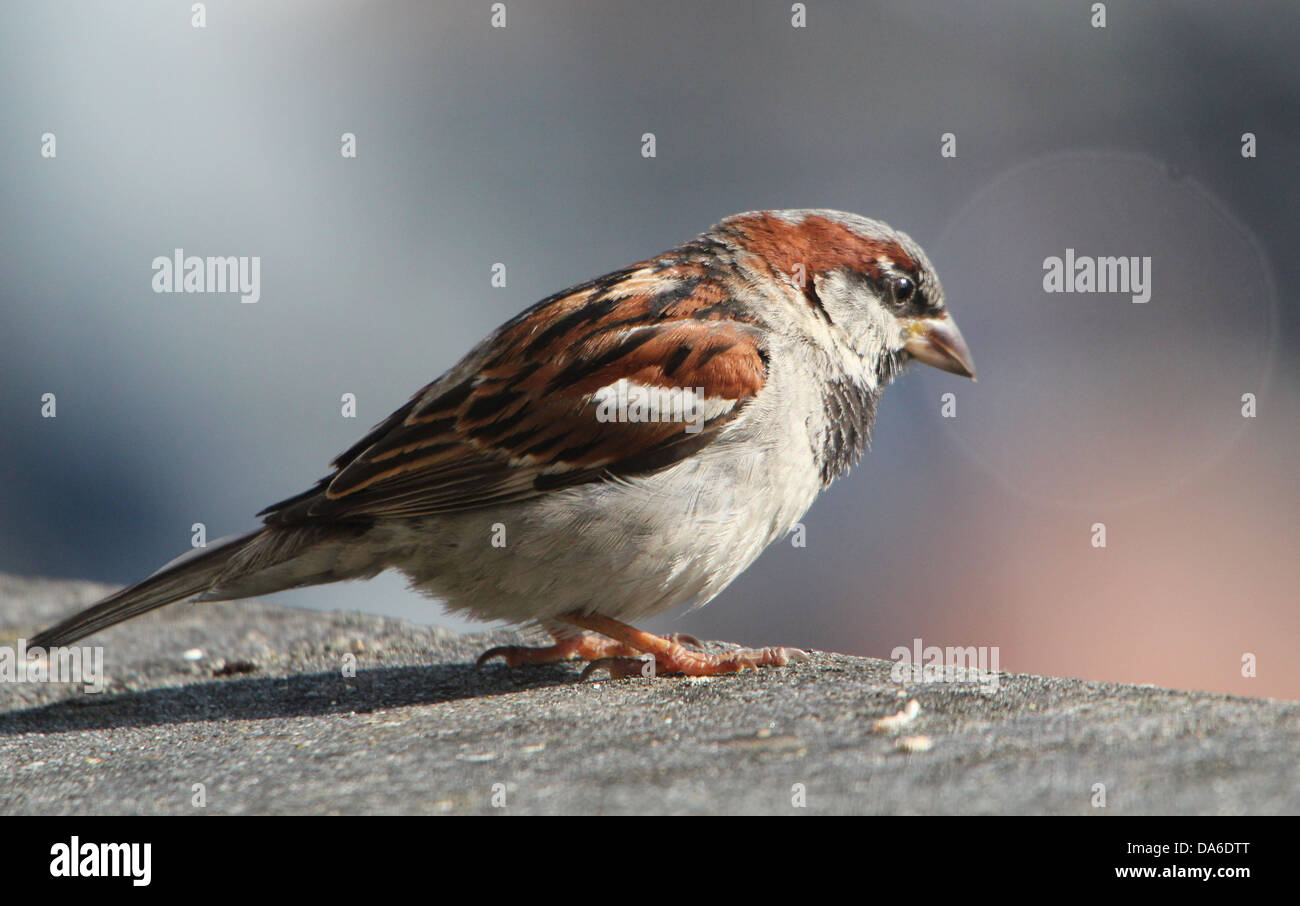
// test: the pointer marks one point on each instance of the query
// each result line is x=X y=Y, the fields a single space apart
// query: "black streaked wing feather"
x=511 y=432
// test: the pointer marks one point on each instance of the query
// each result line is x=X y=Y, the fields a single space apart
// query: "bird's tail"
x=260 y=562
x=174 y=582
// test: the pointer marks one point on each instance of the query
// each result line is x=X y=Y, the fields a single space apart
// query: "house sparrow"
x=624 y=447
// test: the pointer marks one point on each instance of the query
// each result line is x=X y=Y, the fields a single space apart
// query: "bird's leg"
x=583 y=646
x=669 y=654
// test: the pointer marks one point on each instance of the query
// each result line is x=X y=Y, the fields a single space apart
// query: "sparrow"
x=624 y=447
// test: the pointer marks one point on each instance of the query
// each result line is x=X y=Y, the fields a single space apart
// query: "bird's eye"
x=903 y=288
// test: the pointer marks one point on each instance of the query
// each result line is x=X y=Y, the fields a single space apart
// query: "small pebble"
x=914 y=744
x=899 y=720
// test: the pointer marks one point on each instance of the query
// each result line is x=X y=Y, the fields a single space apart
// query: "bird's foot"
x=694 y=663
x=656 y=654
x=586 y=647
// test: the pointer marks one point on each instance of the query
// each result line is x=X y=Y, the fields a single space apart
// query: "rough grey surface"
x=419 y=730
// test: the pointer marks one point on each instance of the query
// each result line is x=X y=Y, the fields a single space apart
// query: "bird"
x=622 y=448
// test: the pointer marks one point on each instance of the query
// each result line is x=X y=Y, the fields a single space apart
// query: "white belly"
x=627 y=550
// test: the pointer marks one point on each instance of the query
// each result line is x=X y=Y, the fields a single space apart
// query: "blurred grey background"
x=522 y=145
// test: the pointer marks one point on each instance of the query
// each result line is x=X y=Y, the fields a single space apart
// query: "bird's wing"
x=532 y=413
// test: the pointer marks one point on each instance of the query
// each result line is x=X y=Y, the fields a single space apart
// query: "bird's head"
x=871 y=284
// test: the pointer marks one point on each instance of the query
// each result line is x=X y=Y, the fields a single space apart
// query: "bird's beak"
x=937 y=341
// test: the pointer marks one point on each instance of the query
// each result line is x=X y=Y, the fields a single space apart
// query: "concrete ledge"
x=266 y=721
